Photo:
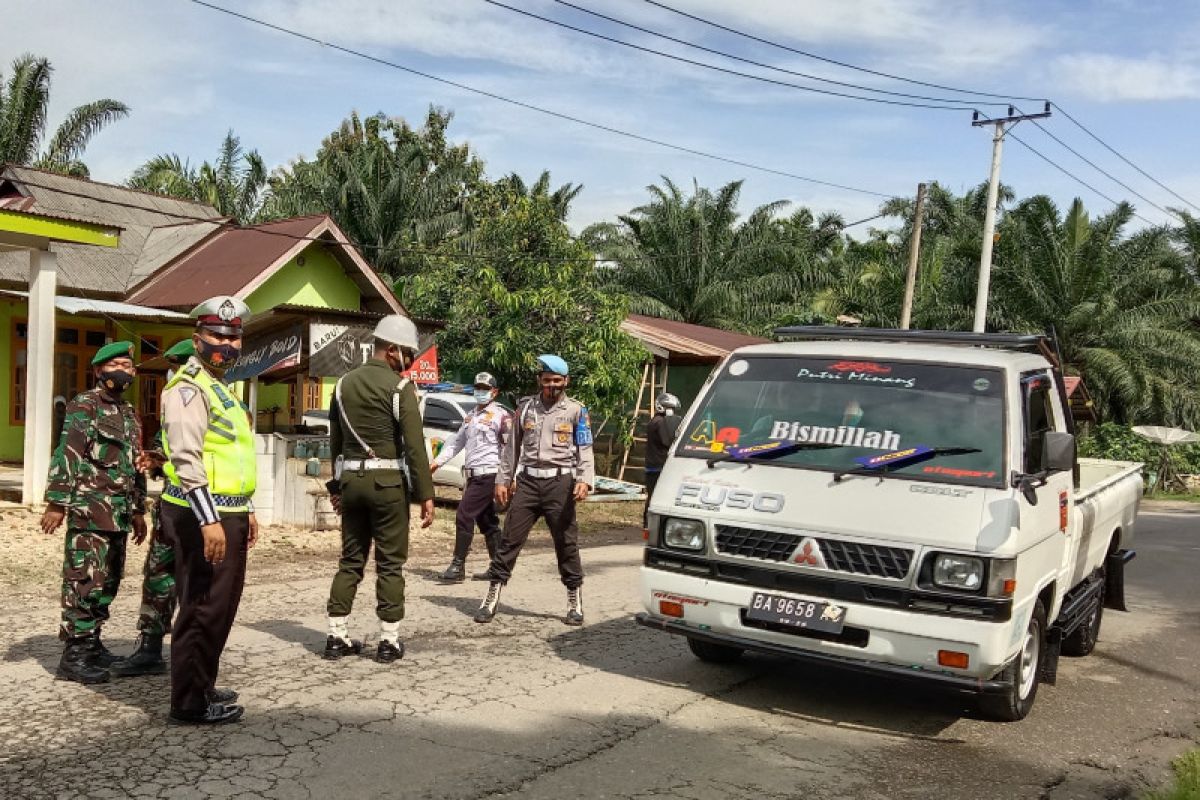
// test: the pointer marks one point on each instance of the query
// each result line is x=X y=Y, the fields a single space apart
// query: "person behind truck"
x=378 y=447
x=660 y=434
x=482 y=436
x=549 y=456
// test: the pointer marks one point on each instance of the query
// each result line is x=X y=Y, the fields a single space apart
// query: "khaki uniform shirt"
x=547 y=438
x=184 y=423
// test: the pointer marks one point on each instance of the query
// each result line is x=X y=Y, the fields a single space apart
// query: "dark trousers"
x=208 y=597
x=652 y=477
x=478 y=505
x=553 y=499
x=374 y=511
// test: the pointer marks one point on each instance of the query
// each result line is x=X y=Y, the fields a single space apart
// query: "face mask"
x=221 y=356
x=116 y=380
x=483 y=396
x=552 y=392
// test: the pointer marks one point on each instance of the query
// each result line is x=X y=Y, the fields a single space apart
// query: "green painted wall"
x=320 y=282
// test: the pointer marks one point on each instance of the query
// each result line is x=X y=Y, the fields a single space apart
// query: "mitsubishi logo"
x=808 y=554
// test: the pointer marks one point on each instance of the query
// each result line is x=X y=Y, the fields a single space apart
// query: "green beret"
x=181 y=351
x=113 y=350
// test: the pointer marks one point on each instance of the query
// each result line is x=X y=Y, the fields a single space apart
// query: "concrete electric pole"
x=989 y=219
x=914 y=252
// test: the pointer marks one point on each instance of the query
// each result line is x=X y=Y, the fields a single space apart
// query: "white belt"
x=480 y=471
x=371 y=463
x=552 y=472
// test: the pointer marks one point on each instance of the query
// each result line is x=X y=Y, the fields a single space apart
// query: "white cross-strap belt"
x=480 y=471
x=371 y=463
x=551 y=472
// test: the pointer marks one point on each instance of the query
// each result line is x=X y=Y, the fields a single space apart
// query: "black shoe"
x=215 y=714
x=455 y=573
x=222 y=696
x=76 y=665
x=487 y=609
x=336 y=647
x=145 y=660
x=482 y=576
x=99 y=655
x=387 y=652
x=574 y=606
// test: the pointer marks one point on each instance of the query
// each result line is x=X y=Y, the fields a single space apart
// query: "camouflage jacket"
x=92 y=473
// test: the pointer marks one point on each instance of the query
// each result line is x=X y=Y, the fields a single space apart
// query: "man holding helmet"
x=549 y=456
x=481 y=435
x=380 y=466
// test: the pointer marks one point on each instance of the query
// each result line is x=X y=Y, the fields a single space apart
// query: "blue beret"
x=553 y=363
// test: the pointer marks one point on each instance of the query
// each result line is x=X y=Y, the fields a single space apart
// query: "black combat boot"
x=575 y=606
x=487 y=609
x=76 y=664
x=455 y=573
x=337 y=647
x=145 y=660
x=388 y=651
x=100 y=656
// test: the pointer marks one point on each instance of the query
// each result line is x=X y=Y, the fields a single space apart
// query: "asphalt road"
x=529 y=707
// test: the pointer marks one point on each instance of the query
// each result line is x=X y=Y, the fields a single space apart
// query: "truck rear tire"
x=714 y=653
x=1024 y=674
x=1083 y=641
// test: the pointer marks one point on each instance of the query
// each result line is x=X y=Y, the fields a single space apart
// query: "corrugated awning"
x=107 y=308
x=684 y=341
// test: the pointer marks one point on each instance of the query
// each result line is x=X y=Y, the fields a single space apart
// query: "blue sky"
x=1129 y=69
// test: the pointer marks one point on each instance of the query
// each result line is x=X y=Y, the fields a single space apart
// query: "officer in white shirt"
x=482 y=435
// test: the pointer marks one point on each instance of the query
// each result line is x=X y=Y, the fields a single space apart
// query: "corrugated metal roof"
x=138 y=214
x=106 y=308
x=683 y=339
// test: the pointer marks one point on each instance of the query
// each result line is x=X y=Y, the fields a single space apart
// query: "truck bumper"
x=898 y=643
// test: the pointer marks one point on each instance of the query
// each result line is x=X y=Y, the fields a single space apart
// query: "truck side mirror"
x=1058 y=452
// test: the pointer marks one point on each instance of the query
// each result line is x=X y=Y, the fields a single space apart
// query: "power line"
x=834 y=61
x=541 y=110
x=714 y=67
x=752 y=62
x=1112 y=150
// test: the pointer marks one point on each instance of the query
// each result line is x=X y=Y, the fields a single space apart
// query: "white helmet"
x=666 y=403
x=397 y=329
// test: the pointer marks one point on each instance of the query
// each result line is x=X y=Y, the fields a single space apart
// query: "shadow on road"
x=310 y=639
x=467 y=606
x=768 y=683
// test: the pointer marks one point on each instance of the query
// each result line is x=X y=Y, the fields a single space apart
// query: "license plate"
x=807 y=614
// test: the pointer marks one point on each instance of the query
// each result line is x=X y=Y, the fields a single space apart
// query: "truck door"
x=1052 y=514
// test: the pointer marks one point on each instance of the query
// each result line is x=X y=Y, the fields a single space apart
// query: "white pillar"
x=39 y=374
x=252 y=402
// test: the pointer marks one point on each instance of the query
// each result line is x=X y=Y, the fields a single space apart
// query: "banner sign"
x=276 y=351
x=334 y=350
x=425 y=368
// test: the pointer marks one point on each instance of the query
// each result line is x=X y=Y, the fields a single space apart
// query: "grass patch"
x=1187 y=779
x=1175 y=497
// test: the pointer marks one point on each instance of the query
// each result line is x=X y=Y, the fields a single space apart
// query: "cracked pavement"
x=529 y=707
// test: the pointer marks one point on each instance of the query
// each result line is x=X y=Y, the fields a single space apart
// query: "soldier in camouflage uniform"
x=95 y=486
x=158 y=574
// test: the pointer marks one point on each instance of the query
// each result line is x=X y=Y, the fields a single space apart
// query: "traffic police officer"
x=378 y=445
x=158 y=572
x=94 y=485
x=482 y=435
x=549 y=455
x=207 y=511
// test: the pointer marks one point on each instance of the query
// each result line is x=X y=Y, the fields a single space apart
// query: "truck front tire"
x=1023 y=674
x=714 y=653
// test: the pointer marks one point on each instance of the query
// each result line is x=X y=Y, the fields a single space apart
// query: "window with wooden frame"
x=74 y=348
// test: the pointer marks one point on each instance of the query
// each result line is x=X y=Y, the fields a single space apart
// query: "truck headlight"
x=683 y=534
x=958 y=572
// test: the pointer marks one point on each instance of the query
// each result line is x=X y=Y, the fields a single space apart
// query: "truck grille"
x=860 y=559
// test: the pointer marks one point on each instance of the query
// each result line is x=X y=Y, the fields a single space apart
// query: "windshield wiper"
x=881 y=464
x=767 y=451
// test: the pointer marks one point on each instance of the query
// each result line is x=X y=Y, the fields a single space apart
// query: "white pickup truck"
x=906 y=503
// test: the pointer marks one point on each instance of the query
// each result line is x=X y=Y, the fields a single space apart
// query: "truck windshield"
x=863 y=408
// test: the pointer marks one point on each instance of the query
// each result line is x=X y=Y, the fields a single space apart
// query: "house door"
x=150 y=403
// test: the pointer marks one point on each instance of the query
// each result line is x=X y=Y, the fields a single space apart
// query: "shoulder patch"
x=192 y=369
x=188 y=393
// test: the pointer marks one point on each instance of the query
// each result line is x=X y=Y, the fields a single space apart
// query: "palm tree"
x=690 y=259
x=23 y=105
x=232 y=185
x=561 y=198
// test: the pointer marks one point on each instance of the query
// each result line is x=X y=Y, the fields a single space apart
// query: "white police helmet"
x=397 y=329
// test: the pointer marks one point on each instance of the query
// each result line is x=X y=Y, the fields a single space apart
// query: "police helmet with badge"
x=218 y=336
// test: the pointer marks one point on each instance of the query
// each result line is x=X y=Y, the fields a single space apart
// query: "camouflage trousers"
x=93 y=563
x=158 y=587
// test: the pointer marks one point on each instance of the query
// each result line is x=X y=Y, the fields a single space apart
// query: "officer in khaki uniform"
x=375 y=435
x=549 y=456
x=207 y=510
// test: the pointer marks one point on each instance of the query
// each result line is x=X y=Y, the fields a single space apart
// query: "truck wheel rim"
x=1029 y=661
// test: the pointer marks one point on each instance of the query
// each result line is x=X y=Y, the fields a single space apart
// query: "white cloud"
x=1110 y=78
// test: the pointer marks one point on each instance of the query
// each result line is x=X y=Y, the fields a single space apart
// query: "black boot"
x=145 y=660
x=574 y=606
x=387 y=652
x=487 y=609
x=76 y=664
x=455 y=573
x=100 y=656
x=336 y=647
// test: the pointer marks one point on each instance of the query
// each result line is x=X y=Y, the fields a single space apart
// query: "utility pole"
x=989 y=219
x=914 y=251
